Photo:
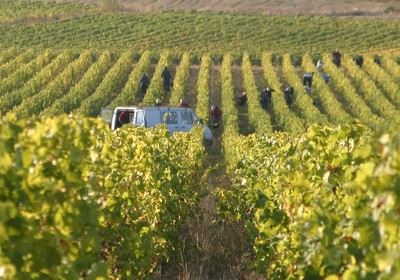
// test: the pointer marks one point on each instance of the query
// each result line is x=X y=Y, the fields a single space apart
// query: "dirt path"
x=191 y=95
x=227 y=252
x=363 y=8
x=389 y=8
x=211 y=250
x=243 y=112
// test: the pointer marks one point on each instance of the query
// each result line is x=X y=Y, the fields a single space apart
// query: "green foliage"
x=347 y=93
x=109 y=88
x=178 y=91
x=7 y=68
x=82 y=89
x=48 y=199
x=196 y=32
x=25 y=71
x=77 y=201
x=323 y=96
x=303 y=104
x=203 y=88
x=258 y=117
x=382 y=78
x=39 y=82
x=129 y=94
x=284 y=117
x=320 y=205
x=372 y=95
x=150 y=191
x=30 y=11
x=57 y=88
x=229 y=111
x=156 y=89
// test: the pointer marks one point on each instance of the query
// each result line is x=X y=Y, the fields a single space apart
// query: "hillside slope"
x=275 y=7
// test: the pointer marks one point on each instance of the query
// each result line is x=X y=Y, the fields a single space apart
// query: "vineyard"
x=310 y=190
x=59 y=26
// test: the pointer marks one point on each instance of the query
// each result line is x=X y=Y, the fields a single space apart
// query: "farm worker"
x=167 y=79
x=182 y=103
x=307 y=79
x=123 y=118
x=377 y=60
x=337 y=57
x=326 y=77
x=308 y=90
x=144 y=83
x=215 y=115
x=320 y=65
x=289 y=92
x=359 y=60
x=242 y=99
x=265 y=97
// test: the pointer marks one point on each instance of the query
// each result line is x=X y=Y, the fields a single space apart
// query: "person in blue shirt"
x=307 y=79
x=308 y=90
x=326 y=77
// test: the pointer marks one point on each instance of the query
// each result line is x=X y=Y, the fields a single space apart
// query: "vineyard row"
x=84 y=82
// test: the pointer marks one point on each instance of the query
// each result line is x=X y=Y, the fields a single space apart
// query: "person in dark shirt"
x=266 y=97
x=377 y=60
x=167 y=79
x=144 y=83
x=337 y=57
x=242 y=99
x=359 y=61
x=289 y=92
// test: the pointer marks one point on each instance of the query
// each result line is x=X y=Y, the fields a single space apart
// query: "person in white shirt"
x=320 y=65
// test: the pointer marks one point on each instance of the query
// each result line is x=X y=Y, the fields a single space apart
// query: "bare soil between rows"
x=368 y=8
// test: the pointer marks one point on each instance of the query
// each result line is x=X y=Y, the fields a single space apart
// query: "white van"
x=175 y=118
